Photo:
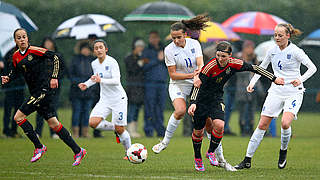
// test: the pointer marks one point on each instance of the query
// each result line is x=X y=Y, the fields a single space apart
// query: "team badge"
x=228 y=70
x=193 y=50
x=288 y=56
x=30 y=57
x=107 y=68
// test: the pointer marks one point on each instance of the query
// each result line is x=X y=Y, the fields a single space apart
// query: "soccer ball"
x=137 y=153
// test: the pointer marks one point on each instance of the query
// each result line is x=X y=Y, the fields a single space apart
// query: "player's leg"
x=272 y=107
x=197 y=137
x=20 y=118
x=65 y=136
x=98 y=115
x=291 y=108
x=119 y=119
x=173 y=123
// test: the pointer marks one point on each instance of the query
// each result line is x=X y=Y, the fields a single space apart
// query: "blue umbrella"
x=12 y=18
x=313 y=39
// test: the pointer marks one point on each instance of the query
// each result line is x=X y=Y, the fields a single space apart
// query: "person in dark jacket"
x=79 y=71
x=155 y=83
x=13 y=97
x=135 y=88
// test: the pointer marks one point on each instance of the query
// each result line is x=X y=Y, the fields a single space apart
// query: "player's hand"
x=54 y=83
x=250 y=88
x=82 y=86
x=296 y=82
x=96 y=78
x=197 y=81
x=279 y=81
x=4 y=79
x=192 y=109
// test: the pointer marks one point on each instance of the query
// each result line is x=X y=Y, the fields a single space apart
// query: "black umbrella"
x=159 y=11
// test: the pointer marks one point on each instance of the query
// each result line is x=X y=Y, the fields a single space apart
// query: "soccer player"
x=40 y=68
x=286 y=59
x=113 y=98
x=184 y=59
x=207 y=102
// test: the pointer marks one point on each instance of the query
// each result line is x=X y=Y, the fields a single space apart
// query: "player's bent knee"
x=218 y=125
x=179 y=113
x=94 y=122
x=285 y=125
x=198 y=133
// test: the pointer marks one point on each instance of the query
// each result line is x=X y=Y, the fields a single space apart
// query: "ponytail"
x=290 y=30
x=194 y=24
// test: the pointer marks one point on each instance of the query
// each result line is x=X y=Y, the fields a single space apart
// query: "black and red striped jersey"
x=37 y=65
x=214 y=77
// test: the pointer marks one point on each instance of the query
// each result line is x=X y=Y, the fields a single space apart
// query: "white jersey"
x=286 y=64
x=183 y=58
x=111 y=90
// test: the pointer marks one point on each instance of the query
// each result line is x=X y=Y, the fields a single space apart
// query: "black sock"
x=247 y=159
x=215 y=141
x=31 y=134
x=197 y=142
x=66 y=137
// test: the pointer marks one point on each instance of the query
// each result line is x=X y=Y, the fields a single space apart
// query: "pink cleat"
x=78 y=157
x=198 y=164
x=212 y=158
x=38 y=153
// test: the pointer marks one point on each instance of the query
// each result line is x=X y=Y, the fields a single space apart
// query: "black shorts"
x=44 y=104
x=214 y=111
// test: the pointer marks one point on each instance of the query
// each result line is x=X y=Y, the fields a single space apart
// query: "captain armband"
x=264 y=72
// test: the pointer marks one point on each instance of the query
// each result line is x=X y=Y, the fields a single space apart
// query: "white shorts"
x=179 y=91
x=274 y=104
x=119 y=111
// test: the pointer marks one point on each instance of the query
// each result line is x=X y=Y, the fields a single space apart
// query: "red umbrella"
x=253 y=22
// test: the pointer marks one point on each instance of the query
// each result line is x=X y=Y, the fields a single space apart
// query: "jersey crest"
x=288 y=56
x=30 y=57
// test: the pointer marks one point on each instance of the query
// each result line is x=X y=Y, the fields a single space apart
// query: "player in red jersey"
x=207 y=102
x=40 y=68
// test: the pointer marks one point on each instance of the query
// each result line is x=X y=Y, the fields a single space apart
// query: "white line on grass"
x=100 y=176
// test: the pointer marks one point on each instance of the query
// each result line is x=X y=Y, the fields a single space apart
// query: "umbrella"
x=216 y=32
x=313 y=39
x=262 y=49
x=253 y=22
x=81 y=27
x=159 y=11
x=12 y=18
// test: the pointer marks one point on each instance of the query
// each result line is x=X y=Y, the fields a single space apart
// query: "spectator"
x=246 y=100
x=13 y=97
x=50 y=44
x=155 y=83
x=80 y=70
x=134 y=89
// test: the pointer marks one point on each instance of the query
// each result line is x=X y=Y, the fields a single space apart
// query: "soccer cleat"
x=246 y=163
x=117 y=137
x=78 y=157
x=282 y=159
x=38 y=153
x=212 y=158
x=227 y=166
x=198 y=164
x=159 y=147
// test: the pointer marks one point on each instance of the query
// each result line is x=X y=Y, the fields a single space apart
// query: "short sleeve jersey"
x=109 y=68
x=183 y=58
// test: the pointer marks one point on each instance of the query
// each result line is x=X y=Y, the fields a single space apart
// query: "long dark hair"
x=193 y=24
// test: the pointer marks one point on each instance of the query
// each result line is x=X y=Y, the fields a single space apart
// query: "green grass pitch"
x=104 y=158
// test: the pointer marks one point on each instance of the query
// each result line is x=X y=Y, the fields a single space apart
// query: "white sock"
x=125 y=139
x=255 y=141
x=105 y=126
x=219 y=153
x=171 y=128
x=285 y=138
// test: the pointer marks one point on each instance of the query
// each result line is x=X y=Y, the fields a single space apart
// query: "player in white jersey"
x=184 y=59
x=285 y=59
x=113 y=98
